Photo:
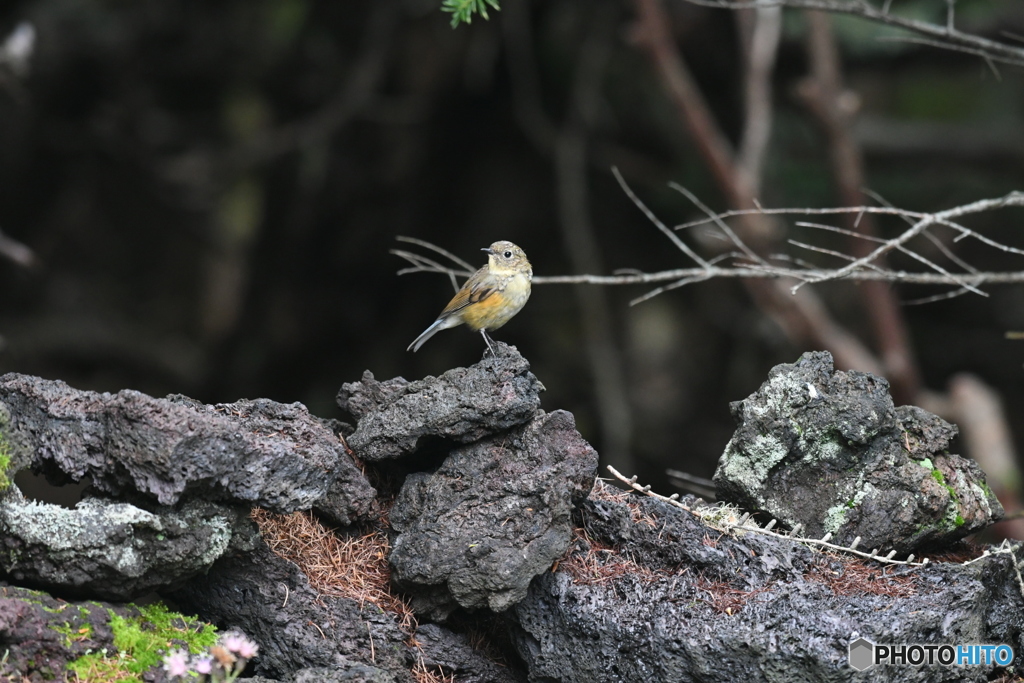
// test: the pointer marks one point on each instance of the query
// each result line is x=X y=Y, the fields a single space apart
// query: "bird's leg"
x=490 y=346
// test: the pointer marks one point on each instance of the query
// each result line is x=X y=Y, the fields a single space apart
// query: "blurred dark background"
x=211 y=189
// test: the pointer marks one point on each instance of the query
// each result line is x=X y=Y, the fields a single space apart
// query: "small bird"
x=490 y=297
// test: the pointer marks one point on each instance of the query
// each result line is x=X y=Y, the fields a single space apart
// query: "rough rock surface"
x=36 y=633
x=350 y=498
x=750 y=608
x=496 y=514
x=346 y=673
x=269 y=599
x=451 y=653
x=258 y=452
x=462 y=405
x=828 y=450
x=112 y=550
x=660 y=538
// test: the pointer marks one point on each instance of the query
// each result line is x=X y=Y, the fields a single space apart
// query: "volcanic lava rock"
x=462 y=405
x=113 y=550
x=746 y=607
x=828 y=450
x=270 y=600
x=257 y=452
x=452 y=654
x=493 y=516
x=40 y=635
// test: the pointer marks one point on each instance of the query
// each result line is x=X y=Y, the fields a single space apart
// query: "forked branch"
x=741 y=262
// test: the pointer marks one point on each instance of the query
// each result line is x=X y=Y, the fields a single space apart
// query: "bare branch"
x=803 y=212
x=433 y=247
x=779 y=273
x=654 y=219
x=943 y=35
x=934 y=298
x=722 y=225
x=422 y=264
x=762 y=47
x=1015 y=198
x=858 y=269
x=917 y=257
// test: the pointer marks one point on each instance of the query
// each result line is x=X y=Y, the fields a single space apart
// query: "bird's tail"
x=438 y=325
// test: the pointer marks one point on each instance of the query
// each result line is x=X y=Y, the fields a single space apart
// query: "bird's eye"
x=507 y=254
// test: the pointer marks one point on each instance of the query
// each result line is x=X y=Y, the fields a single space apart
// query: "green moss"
x=73 y=633
x=5 y=462
x=959 y=520
x=141 y=643
x=939 y=477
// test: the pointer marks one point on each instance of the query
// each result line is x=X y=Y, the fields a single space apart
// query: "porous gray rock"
x=257 y=452
x=350 y=499
x=462 y=405
x=270 y=600
x=650 y=537
x=40 y=634
x=345 y=672
x=495 y=514
x=828 y=450
x=724 y=607
x=114 y=550
x=452 y=654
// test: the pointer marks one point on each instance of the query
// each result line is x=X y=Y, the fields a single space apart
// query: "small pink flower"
x=232 y=640
x=203 y=665
x=237 y=643
x=176 y=663
x=247 y=649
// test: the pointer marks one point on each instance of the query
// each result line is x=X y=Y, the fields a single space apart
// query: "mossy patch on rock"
x=99 y=642
x=140 y=642
x=829 y=450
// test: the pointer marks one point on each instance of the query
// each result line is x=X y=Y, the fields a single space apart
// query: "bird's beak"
x=488 y=250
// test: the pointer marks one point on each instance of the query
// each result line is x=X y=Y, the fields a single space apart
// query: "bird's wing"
x=474 y=291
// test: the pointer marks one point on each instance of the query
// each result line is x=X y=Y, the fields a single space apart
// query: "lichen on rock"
x=829 y=450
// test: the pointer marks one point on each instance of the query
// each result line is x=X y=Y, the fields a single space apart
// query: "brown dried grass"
x=424 y=674
x=355 y=567
x=601 y=563
x=854 y=577
x=606 y=492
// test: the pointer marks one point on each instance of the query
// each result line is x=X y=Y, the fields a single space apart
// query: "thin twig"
x=439 y=250
x=943 y=36
x=858 y=269
x=1015 y=198
x=747 y=523
x=682 y=246
x=722 y=225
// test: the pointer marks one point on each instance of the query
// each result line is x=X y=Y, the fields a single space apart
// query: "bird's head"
x=505 y=257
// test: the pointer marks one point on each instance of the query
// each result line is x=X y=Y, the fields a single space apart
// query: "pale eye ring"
x=507 y=254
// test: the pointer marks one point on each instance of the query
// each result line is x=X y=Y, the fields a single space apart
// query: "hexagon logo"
x=862 y=654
